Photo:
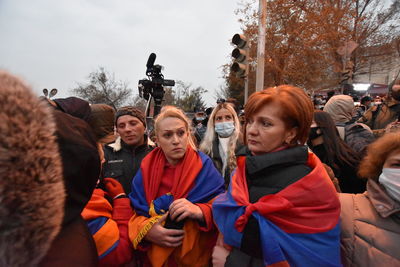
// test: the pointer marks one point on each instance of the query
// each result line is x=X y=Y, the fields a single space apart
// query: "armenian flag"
x=298 y=226
x=197 y=180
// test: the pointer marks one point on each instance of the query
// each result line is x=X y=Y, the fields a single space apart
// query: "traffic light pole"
x=246 y=82
x=261 y=45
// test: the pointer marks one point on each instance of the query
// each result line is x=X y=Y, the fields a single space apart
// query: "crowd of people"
x=288 y=181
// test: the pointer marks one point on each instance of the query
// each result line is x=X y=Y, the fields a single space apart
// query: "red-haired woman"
x=371 y=221
x=281 y=207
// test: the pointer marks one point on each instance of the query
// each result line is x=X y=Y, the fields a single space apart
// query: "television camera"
x=153 y=86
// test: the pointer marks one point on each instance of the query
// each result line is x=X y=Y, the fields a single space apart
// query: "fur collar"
x=116 y=145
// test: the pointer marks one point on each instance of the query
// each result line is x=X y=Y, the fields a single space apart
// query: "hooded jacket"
x=357 y=135
x=31 y=188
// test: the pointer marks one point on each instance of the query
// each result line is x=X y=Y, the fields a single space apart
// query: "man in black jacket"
x=124 y=156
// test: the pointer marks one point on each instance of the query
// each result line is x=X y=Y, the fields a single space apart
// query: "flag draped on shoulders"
x=197 y=180
x=298 y=226
x=105 y=232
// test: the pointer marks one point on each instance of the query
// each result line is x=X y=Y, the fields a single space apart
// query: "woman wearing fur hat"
x=221 y=140
x=172 y=195
x=32 y=188
x=370 y=222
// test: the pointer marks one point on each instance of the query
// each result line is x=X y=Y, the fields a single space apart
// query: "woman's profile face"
x=266 y=131
x=223 y=115
x=172 y=137
x=393 y=160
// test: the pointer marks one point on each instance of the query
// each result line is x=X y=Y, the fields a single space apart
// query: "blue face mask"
x=200 y=118
x=224 y=129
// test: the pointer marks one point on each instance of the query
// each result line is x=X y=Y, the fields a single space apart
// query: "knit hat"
x=132 y=111
x=101 y=119
x=340 y=107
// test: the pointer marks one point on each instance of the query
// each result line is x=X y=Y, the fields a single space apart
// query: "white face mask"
x=390 y=179
x=224 y=129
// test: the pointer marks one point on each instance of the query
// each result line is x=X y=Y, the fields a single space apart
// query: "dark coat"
x=81 y=170
x=266 y=174
x=123 y=162
x=217 y=160
x=345 y=173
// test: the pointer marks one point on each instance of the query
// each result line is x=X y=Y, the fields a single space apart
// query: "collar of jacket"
x=117 y=144
x=382 y=202
x=297 y=154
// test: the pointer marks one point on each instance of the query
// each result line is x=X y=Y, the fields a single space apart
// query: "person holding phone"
x=172 y=195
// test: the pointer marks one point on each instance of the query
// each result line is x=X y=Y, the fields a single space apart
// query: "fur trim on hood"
x=31 y=188
x=116 y=145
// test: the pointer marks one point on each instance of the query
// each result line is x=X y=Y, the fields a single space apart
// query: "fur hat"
x=32 y=188
x=132 y=111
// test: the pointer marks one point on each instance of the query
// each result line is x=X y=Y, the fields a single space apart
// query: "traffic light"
x=240 y=54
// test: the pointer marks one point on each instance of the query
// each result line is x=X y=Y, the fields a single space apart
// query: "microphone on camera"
x=151 y=60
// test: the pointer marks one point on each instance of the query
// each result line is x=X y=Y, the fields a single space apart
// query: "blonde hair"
x=206 y=145
x=174 y=112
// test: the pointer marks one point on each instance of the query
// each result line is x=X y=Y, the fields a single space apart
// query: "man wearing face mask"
x=370 y=222
x=199 y=124
x=378 y=117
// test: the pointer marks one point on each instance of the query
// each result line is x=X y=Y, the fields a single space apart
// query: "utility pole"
x=262 y=15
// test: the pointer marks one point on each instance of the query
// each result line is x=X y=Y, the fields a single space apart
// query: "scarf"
x=196 y=179
x=299 y=226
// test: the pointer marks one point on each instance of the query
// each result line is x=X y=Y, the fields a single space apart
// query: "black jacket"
x=217 y=160
x=123 y=162
x=349 y=182
x=266 y=174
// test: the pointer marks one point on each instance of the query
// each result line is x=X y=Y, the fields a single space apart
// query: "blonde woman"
x=221 y=139
x=172 y=195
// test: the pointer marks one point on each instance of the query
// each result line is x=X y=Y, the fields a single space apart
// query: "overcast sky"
x=58 y=43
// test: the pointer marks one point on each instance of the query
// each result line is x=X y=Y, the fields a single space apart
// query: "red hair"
x=377 y=153
x=296 y=108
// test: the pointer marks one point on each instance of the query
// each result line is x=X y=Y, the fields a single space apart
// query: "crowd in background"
x=285 y=181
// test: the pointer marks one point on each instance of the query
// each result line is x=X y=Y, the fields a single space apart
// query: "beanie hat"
x=340 y=107
x=132 y=111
